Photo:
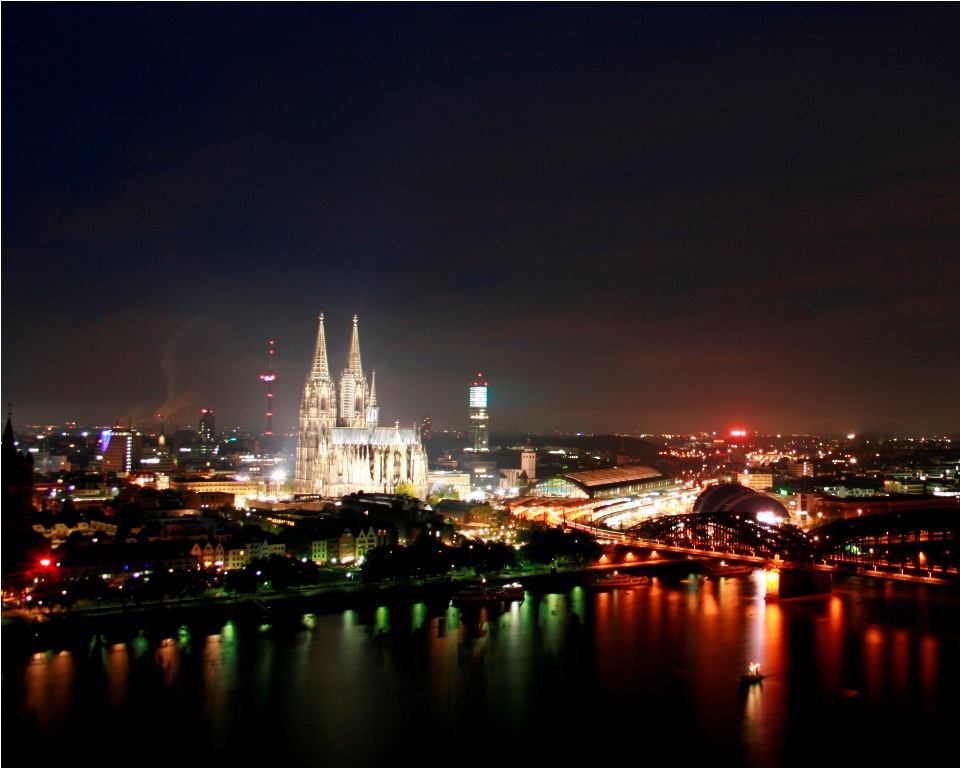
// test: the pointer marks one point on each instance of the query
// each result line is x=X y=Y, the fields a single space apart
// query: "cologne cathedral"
x=341 y=447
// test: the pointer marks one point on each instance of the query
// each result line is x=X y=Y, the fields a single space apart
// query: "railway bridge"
x=920 y=543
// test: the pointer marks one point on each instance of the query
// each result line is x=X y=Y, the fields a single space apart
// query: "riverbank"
x=25 y=632
x=28 y=632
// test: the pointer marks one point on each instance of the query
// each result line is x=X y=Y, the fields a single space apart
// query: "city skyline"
x=633 y=218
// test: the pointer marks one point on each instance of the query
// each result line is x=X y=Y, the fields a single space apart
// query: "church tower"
x=21 y=546
x=318 y=416
x=354 y=391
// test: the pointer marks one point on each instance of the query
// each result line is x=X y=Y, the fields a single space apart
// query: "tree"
x=406 y=489
x=297 y=542
x=543 y=544
x=242 y=581
x=487 y=557
x=390 y=561
x=430 y=557
x=443 y=492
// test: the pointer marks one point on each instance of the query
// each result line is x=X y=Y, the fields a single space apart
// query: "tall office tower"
x=268 y=378
x=425 y=431
x=479 y=416
x=120 y=448
x=206 y=432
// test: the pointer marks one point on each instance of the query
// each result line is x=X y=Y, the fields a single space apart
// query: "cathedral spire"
x=320 y=370
x=353 y=360
x=373 y=411
x=354 y=390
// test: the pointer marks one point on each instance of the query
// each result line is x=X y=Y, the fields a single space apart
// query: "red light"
x=45 y=562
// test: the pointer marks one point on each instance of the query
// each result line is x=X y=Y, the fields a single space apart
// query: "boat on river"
x=752 y=675
x=490 y=593
x=723 y=568
x=619 y=580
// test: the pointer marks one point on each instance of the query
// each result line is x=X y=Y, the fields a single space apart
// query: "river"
x=868 y=673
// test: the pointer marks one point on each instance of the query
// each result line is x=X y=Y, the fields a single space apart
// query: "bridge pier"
x=784 y=582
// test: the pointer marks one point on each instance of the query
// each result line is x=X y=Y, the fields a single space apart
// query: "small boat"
x=619 y=580
x=489 y=593
x=512 y=591
x=752 y=675
x=723 y=568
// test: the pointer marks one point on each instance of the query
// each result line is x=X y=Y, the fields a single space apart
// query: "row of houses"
x=131 y=528
x=116 y=562
x=351 y=545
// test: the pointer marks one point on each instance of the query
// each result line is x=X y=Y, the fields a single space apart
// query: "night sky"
x=632 y=218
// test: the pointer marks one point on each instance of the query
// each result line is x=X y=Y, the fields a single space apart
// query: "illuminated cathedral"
x=342 y=449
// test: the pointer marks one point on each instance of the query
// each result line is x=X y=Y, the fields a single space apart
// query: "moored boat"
x=488 y=593
x=619 y=580
x=512 y=591
x=723 y=568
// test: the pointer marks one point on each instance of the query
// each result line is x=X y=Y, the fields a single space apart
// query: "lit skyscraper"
x=206 y=431
x=479 y=416
x=120 y=449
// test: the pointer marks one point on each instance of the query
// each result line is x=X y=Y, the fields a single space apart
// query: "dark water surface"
x=868 y=674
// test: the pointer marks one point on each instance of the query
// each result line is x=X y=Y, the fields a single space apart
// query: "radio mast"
x=268 y=378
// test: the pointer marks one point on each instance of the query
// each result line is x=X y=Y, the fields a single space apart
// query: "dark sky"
x=634 y=218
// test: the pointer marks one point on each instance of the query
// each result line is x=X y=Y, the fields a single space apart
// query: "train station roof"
x=598 y=478
x=601 y=482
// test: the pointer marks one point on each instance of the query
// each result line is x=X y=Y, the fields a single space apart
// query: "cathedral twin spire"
x=341 y=448
x=356 y=399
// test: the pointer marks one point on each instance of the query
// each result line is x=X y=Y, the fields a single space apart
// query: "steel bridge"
x=918 y=543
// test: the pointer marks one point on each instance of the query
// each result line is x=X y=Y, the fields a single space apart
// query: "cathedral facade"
x=342 y=449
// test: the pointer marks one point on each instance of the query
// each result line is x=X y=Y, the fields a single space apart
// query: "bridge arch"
x=725 y=531
x=921 y=541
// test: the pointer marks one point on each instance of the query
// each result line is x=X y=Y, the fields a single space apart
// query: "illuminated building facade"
x=755 y=481
x=479 y=433
x=342 y=449
x=120 y=449
x=207 y=431
x=240 y=491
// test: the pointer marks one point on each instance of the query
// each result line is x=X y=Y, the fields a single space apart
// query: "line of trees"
x=539 y=545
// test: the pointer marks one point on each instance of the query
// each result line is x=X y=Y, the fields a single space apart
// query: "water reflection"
x=655 y=664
